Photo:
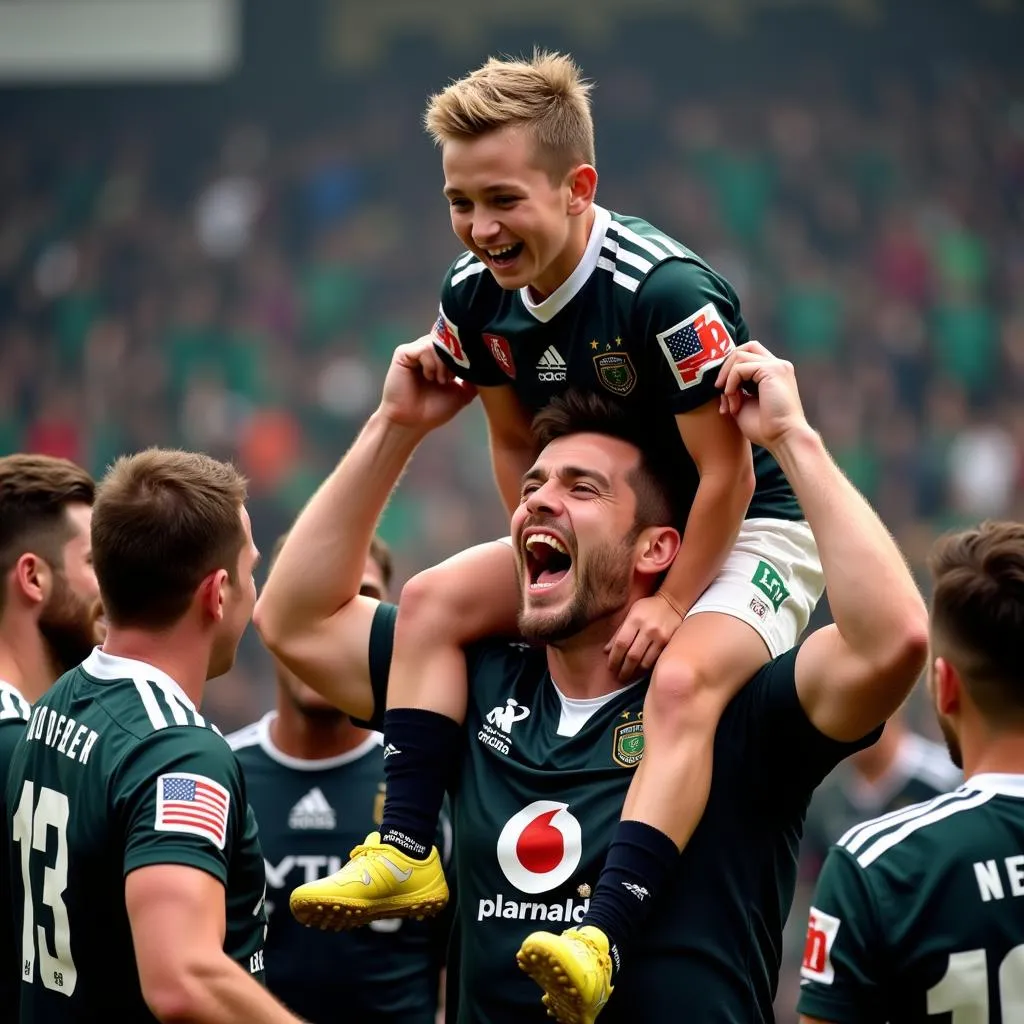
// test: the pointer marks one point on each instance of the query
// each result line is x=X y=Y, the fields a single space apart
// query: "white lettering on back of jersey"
x=990 y=882
x=55 y=731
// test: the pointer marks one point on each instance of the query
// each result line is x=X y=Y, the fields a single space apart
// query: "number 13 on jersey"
x=32 y=823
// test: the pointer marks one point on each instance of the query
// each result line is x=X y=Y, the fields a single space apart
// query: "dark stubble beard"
x=952 y=743
x=68 y=625
x=602 y=588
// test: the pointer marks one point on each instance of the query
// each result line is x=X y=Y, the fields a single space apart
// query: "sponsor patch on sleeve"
x=446 y=336
x=822 y=929
x=696 y=345
x=194 y=804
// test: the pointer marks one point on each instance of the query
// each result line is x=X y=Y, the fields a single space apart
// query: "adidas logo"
x=551 y=366
x=312 y=811
x=390 y=750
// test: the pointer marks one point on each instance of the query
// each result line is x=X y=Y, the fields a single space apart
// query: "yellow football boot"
x=378 y=881
x=573 y=968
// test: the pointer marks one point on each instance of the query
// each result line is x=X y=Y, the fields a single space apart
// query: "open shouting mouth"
x=547 y=558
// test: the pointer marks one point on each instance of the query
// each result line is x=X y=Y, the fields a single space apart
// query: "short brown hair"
x=546 y=94
x=35 y=491
x=380 y=552
x=657 y=477
x=162 y=522
x=977 y=614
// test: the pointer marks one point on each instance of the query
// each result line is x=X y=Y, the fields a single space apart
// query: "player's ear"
x=212 y=593
x=582 y=182
x=33 y=577
x=948 y=687
x=656 y=549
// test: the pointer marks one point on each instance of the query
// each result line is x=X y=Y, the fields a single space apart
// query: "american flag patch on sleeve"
x=696 y=345
x=194 y=804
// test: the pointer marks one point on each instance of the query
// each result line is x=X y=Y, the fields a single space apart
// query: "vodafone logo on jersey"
x=540 y=847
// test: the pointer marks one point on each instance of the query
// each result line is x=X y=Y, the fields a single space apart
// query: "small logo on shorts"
x=769 y=582
x=758 y=607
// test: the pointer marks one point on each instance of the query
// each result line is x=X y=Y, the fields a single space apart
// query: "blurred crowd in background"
x=229 y=267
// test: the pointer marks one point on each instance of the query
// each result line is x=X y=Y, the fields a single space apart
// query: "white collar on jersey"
x=569 y=288
x=996 y=782
x=101 y=665
x=372 y=742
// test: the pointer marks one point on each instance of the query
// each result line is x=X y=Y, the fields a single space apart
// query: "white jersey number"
x=963 y=989
x=32 y=822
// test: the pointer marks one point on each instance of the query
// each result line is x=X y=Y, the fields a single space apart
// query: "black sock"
x=639 y=860
x=421 y=748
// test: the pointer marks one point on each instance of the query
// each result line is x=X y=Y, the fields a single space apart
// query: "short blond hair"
x=547 y=95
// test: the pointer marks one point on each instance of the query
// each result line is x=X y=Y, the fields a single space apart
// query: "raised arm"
x=310 y=614
x=855 y=673
x=513 y=448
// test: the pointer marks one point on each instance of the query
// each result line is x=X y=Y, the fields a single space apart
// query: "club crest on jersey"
x=615 y=371
x=446 y=336
x=696 y=345
x=822 y=929
x=628 y=743
x=502 y=352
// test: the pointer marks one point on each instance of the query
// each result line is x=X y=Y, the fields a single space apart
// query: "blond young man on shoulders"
x=556 y=292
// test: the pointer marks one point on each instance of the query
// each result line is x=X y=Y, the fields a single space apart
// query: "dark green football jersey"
x=310 y=814
x=642 y=319
x=919 y=915
x=541 y=790
x=117 y=771
x=14 y=713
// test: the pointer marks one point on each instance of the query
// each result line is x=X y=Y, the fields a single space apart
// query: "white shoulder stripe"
x=179 y=710
x=247 y=736
x=676 y=250
x=857 y=836
x=463 y=260
x=876 y=849
x=625 y=256
x=13 y=704
x=618 y=277
x=156 y=717
x=469 y=271
x=638 y=240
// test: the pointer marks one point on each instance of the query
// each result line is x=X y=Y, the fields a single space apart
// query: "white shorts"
x=771 y=580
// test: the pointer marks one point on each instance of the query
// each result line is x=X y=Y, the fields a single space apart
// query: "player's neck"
x=568 y=260
x=177 y=652
x=580 y=665
x=313 y=737
x=999 y=754
x=25 y=660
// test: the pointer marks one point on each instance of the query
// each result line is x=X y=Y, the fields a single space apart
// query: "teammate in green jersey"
x=49 y=616
x=556 y=292
x=138 y=880
x=553 y=735
x=316 y=785
x=919 y=915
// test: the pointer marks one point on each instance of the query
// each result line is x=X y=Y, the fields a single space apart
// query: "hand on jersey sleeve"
x=649 y=626
x=419 y=390
x=759 y=391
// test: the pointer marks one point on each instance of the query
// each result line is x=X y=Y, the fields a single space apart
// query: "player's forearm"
x=320 y=566
x=872 y=595
x=715 y=518
x=217 y=991
x=510 y=463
